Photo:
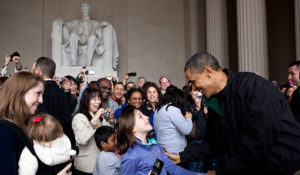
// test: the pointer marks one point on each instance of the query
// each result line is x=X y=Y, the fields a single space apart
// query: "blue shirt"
x=171 y=128
x=118 y=112
x=140 y=159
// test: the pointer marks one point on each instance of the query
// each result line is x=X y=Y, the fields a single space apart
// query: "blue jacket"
x=118 y=112
x=140 y=159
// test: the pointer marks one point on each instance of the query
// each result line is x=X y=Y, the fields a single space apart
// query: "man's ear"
x=103 y=144
x=207 y=70
x=37 y=70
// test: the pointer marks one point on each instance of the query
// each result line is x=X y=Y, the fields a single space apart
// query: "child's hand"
x=65 y=170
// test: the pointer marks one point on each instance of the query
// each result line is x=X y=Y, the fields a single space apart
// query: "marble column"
x=297 y=28
x=195 y=22
x=217 y=32
x=252 y=37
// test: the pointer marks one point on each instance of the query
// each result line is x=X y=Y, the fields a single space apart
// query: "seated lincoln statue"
x=84 y=42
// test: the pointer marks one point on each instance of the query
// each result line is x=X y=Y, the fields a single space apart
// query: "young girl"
x=50 y=144
x=140 y=154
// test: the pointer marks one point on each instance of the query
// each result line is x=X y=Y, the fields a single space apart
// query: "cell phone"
x=157 y=167
x=132 y=74
x=61 y=80
x=11 y=57
x=90 y=72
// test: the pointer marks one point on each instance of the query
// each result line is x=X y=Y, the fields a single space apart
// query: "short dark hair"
x=197 y=62
x=71 y=78
x=102 y=134
x=120 y=84
x=142 y=78
x=297 y=63
x=87 y=95
x=102 y=79
x=94 y=84
x=128 y=84
x=15 y=54
x=46 y=65
x=164 y=77
x=131 y=91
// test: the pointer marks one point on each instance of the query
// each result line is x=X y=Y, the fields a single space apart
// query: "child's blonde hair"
x=44 y=128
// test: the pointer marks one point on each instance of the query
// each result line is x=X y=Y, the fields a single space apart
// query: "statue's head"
x=85 y=9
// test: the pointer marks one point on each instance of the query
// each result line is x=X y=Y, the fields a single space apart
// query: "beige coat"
x=84 y=135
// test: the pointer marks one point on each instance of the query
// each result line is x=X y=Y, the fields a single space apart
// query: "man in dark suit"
x=55 y=101
x=294 y=78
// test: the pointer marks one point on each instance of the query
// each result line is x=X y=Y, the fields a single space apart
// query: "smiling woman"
x=84 y=125
x=20 y=96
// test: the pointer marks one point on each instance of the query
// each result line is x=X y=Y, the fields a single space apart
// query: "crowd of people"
x=219 y=123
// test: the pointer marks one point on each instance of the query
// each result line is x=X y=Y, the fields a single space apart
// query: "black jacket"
x=256 y=132
x=295 y=104
x=57 y=103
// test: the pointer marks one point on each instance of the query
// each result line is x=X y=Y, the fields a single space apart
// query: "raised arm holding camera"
x=15 y=57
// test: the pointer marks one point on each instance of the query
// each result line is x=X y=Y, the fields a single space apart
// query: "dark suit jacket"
x=295 y=104
x=57 y=103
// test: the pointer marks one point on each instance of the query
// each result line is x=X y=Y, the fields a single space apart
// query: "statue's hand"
x=59 y=21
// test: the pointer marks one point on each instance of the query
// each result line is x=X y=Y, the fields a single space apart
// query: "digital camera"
x=199 y=95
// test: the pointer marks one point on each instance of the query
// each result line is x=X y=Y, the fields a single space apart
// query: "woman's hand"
x=66 y=171
x=197 y=100
x=205 y=110
x=96 y=117
x=99 y=113
x=211 y=172
x=85 y=78
x=110 y=116
x=175 y=158
x=198 y=104
x=188 y=115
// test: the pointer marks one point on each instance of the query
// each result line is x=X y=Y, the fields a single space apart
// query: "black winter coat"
x=256 y=134
x=295 y=104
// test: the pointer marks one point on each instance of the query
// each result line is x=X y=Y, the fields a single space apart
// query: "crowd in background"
x=107 y=126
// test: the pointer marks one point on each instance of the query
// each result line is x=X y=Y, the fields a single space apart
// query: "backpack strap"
x=19 y=133
x=21 y=137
